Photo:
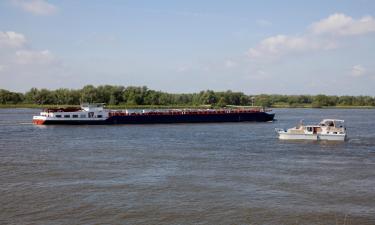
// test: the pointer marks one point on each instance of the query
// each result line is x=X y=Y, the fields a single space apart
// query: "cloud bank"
x=11 y=39
x=321 y=35
x=358 y=71
x=341 y=25
x=16 y=53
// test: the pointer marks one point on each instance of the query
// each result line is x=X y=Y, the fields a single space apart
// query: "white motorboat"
x=327 y=129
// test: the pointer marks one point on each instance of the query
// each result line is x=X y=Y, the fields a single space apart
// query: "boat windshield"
x=332 y=123
x=92 y=106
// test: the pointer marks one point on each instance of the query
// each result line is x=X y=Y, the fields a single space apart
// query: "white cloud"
x=357 y=71
x=230 y=63
x=313 y=39
x=342 y=25
x=279 y=45
x=34 y=57
x=15 y=53
x=37 y=7
x=11 y=39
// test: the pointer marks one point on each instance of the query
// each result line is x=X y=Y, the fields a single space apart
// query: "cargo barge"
x=96 y=114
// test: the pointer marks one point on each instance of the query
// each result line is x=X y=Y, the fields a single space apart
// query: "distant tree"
x=320 y=100
x=30 y=96
x=134 y=95
x=346 y=100
x=89 y=94
x=66 y=96
x=245 y=100
x=263 y=100
x=222 y=102
x=208 y=97
x=8 y=97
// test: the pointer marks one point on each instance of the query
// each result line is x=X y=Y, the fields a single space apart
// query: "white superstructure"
x=87 y=112
x=327 y=129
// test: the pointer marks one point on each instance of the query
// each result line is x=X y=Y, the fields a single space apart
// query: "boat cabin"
x=331 y=123
x=312 y=129
x=86 y=111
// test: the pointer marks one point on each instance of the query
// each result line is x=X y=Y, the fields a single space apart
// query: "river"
x=228 y=173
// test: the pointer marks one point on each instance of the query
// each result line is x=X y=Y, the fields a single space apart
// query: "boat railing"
x=280 y=130
x=68 y=109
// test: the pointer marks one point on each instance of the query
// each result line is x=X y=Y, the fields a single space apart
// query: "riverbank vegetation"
x=141 y=97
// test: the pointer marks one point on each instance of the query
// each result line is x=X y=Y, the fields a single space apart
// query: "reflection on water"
x=234 y=173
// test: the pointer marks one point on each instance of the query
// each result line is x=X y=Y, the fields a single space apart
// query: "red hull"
x=38 y=122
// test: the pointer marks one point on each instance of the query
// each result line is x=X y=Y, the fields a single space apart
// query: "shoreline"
x=35 y=106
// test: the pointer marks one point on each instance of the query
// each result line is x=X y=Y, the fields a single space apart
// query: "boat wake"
x=354 y=140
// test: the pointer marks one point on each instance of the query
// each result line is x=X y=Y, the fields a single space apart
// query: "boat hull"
x=316 y=137
x=332 y=137
x=156 y=119
x=286 y=136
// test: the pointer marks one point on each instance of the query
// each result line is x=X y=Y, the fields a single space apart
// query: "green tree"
x=263 y=100
x=208 y=97
x=222 y=102
x=8 y=97
x=89 y=94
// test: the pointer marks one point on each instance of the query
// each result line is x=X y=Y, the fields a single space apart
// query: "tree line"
x=132 y=95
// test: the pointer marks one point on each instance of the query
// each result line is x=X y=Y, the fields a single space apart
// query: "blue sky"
x=274 y=47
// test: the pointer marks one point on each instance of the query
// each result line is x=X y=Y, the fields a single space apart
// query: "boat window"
x=309 y=129
x=66 y=116
x=58 y=116
x=100 y=116
x=75 y=116
x=82 y=116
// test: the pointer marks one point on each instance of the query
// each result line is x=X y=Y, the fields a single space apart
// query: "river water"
x=230 y=173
